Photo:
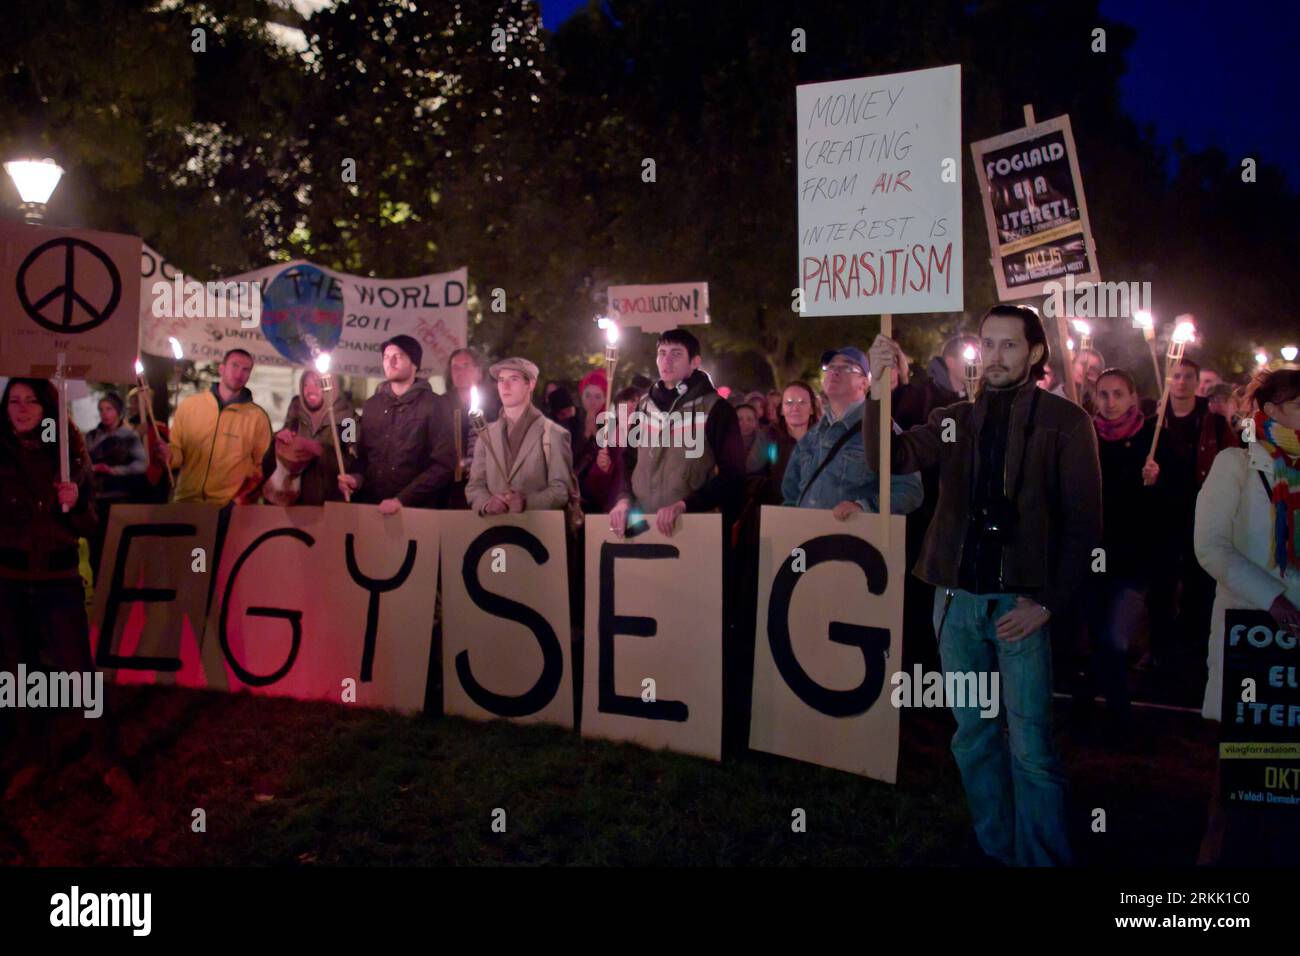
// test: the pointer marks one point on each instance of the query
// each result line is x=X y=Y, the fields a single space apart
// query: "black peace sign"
x=68 y=289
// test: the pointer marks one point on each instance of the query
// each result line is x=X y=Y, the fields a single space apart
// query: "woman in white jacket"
x=1248 y=538
x=1246 y=528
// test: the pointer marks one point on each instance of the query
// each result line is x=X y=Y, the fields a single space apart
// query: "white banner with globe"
x=298 y=306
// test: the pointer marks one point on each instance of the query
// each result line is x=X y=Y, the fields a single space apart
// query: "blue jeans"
x=1015 y=784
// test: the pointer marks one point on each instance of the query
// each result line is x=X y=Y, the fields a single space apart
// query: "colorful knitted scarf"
x=1124 y=427
x=1283 y=446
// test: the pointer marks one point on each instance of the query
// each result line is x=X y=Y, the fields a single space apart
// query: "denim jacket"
x=848 y=477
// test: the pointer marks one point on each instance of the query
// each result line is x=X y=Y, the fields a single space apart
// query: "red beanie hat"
x=596 y=378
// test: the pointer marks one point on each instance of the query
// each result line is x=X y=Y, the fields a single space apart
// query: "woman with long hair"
x=42 y=598
x=1248 y=538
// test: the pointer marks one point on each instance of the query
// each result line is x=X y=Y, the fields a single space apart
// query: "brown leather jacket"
x=1058 y=508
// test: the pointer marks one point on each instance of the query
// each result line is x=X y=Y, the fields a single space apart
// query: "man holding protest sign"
x=219 y=438
x=1018 y=516
x=523 y=460
x=827 y=469
x=406 y=455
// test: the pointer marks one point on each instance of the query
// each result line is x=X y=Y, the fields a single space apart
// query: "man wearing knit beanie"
x=406 y=452
x=410 y=346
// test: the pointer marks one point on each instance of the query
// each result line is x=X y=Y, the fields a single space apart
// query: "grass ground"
x=288 y=782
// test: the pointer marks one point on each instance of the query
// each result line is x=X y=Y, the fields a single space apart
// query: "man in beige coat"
x=523 y=461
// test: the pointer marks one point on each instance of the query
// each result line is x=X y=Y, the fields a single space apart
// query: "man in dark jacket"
x=1181 y=596
x=406 y=454
x=1018 y=516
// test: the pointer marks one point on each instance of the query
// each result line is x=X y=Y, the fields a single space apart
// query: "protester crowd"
x=1011 y=489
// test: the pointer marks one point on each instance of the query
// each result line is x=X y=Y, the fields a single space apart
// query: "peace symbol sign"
x=68 y=291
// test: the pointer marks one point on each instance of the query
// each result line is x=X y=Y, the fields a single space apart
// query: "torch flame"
x=323 y=363
x=473 y=399
x=139 y=367
x=177 y=352
x=611 y=332
x=1082 y=327
x=1184 y=332
x=1261 y=357
x=969 y=354
x=1144 y=319
x=1289 y=352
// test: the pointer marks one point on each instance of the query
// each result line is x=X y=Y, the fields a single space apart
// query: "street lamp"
x=35 y=180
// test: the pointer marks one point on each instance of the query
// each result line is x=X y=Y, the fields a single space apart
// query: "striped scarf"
x=1283 y=446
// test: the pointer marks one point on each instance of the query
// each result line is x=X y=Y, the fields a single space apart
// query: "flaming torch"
x=478 y=422
x=178 y=354
x=146 y=414
x=1145 y=321
x=1085 y=334
x=972 y=370
x=1184 y=332
x=611 y=361
x=322 y=361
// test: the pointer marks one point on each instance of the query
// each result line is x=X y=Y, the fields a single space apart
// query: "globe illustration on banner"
x=297 y=304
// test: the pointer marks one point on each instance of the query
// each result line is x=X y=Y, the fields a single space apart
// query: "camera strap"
x=835 y=450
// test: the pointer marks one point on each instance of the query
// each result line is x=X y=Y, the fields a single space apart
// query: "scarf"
x=1126 y=426
x=1283 y=446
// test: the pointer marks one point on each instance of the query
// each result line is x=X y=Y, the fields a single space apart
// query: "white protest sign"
x=151 y=596
x=656 y=308
x=879 y=194
x=268 y=631
x=652 y=663
x=829 y=637
x=298 y=302
x=505 y=646
x=380 y=578
x=70 y=291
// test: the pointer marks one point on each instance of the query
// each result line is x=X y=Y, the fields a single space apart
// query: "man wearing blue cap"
x=827 y=468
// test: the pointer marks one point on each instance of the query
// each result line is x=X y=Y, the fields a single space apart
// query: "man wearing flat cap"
x=406 y=452
x=523 y=461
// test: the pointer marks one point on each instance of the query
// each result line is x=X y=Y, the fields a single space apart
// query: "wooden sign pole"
x=1057 y=325
x=61 y=380
x=883 y=393
x=328 y=381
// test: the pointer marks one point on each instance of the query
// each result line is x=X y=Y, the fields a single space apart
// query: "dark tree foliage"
x=525 y=164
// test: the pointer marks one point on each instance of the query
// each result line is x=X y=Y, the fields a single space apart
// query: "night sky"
x=1214 y=74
